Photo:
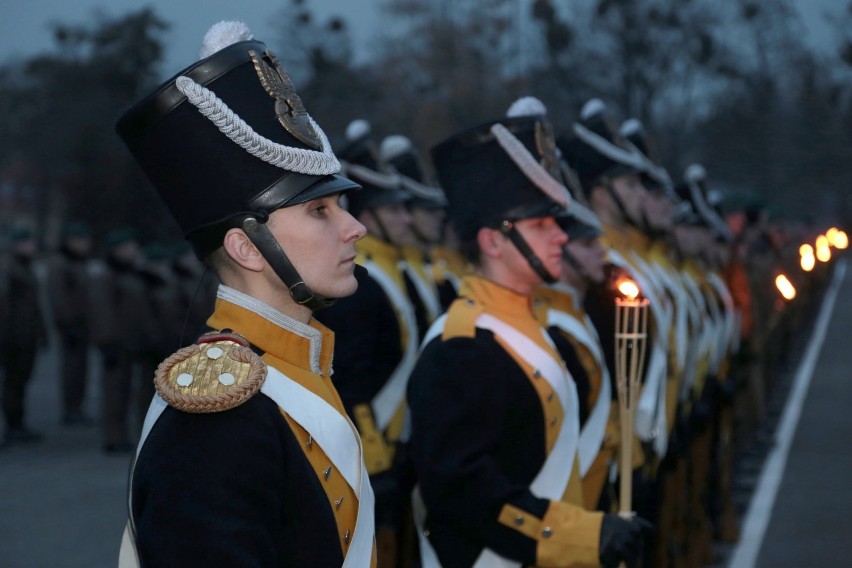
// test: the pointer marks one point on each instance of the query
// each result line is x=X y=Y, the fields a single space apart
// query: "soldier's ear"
x=489 y=241
x=242 y=251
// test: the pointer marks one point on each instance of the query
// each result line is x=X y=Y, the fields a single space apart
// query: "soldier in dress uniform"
x=494 y=413
x=116 y=330
x=378 y=330
x=247 y=456
x=560 y=307
x=427 y=207
x=22 y=330
x=610 y=174
x=69 y=294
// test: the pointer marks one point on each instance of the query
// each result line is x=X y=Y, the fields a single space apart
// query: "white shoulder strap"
x=594 y=430
x=425 y=290
x=390 y=396
x=338 y=438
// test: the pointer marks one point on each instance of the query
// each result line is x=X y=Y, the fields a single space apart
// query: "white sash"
x=425 y=290
x=553 y=478
x=338 y=438
x=594 y=430
x=333 y=432
x=390 y=396
x=728 y=328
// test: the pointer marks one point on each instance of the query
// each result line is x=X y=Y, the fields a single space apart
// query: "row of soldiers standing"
x=626 y=219
x=131 y=304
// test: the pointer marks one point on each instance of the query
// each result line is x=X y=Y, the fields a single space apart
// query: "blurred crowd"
x=110 y=301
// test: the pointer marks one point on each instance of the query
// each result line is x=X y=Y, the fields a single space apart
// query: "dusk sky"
x=24 y=24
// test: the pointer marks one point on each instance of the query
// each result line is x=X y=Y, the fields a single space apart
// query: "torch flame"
x=628 y=288
x=785 y=287
x=831 y=234
x=823 y=251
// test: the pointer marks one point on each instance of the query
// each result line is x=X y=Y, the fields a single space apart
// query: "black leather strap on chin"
x=268 y=246
x=508 y=229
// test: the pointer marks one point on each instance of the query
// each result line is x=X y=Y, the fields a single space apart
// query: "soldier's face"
x=394 y=221
x=545 y=238
x=659 y=210
x=631 y=192
x=591 y=255
x=319 y=239
x=428 y=223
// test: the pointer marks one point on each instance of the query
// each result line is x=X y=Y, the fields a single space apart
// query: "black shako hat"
x=654 y=176
x=227 y=138
x=595 y=149
x=399 y=153
x=360 y=158
x=493 y=173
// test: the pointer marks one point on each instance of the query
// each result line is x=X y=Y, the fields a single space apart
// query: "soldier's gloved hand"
x=622 y=540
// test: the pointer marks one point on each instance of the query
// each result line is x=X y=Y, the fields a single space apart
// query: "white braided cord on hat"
x=364 y=174
x=299 y=160
x=533 y=170
x=607 y=148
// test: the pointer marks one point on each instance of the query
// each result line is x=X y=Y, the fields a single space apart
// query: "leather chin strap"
x=508 y=229
x=260 y=235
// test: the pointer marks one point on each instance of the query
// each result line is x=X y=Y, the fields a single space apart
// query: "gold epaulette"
x=461 y=319
x=217 y=373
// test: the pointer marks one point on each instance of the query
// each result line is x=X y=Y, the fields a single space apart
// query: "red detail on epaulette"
x=215 y=336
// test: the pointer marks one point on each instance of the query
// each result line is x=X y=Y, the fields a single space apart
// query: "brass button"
x=519 y=520
x=537 y=374
x=337 y=503
x=426 y=532
x=327 y=473
x=547 y=532
x=550 y=397
x=346 y=536
x=553 y=421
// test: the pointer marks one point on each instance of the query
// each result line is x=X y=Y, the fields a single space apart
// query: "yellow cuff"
x=568 y=536
x=377 y=452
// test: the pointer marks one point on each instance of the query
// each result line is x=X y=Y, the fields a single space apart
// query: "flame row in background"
x=810 y=254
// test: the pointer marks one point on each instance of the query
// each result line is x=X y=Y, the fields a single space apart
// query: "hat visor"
x=328 y=185
x=577 y=229
x=382 y=198
x=295 y=188
x=539 y=208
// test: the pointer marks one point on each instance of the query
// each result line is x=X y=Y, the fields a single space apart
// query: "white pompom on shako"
x=526 y=106
x=395 y=145
x=695 y=173
x=591 y=108
x=223 y=34
x=630 y=127
x=357 y=129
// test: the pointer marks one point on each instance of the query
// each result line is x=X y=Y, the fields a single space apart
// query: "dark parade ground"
x=62 y=501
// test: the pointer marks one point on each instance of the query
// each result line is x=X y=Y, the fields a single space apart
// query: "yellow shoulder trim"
x=218 y=373
x=461 y=319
